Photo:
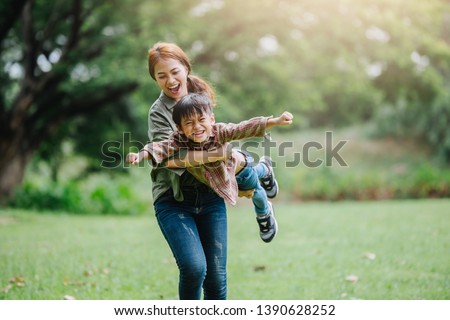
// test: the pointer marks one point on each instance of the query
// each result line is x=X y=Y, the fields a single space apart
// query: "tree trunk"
x=12 y=170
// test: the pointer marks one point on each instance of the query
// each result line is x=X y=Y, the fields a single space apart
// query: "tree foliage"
x=333 y=63
x=68 y=64
x=62 y=60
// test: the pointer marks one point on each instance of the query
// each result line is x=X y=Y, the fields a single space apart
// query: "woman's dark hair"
x=191 y=105
x=164 y=51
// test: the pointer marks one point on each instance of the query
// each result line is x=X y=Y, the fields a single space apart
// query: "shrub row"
x=76 y=197
x=421 y=182
x=118 y=196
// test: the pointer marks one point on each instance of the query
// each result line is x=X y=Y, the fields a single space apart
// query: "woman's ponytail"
x=196 y=84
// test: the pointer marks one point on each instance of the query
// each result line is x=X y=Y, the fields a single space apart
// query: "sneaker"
x=269 y=183
x=268 y=226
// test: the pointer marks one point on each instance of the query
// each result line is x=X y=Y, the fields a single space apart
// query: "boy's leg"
x=261 y=169
x=265 y=215
x=260 y=200
x=248 y=179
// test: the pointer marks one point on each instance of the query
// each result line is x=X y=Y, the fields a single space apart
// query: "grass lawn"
x=342 y=250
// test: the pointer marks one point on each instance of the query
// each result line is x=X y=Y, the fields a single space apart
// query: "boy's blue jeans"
x=196 y=231
x=248 y=179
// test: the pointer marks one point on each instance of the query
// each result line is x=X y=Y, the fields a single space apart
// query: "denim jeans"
x=248 y=179
x=196 y=231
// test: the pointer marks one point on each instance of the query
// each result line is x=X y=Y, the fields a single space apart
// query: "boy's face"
x=198 y=127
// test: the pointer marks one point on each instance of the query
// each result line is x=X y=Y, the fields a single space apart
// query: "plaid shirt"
x=219 y=175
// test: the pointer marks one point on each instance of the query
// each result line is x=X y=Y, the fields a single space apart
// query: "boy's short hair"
x=191 y=105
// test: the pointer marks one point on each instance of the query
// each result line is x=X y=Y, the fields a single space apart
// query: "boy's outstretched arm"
x=199 y=157
x=191 y=159
x=285 y=119
x=157 y=152
x=135 y=158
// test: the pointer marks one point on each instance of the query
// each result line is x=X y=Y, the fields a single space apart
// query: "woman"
x=191 y=216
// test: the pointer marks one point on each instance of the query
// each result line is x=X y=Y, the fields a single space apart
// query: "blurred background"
x=75 y=93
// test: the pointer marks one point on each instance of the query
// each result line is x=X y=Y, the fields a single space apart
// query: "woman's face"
x=171 y=77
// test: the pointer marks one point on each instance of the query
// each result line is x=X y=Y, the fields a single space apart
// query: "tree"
x=60 y=61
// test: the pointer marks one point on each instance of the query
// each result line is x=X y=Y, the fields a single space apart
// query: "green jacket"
x=160 y=126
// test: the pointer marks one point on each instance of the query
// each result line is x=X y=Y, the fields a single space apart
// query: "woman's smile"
x=174 y=89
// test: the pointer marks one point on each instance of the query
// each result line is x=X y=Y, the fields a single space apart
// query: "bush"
x=332 y=185
x=428 y=123
x=49 y=196
x=84 y=197
x=428 y=181
x=424 y=181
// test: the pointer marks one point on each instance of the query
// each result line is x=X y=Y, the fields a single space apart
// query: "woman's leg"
x=177 y=223
x=212 y=228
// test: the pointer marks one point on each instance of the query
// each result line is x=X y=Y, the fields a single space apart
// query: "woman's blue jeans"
x=196 y=231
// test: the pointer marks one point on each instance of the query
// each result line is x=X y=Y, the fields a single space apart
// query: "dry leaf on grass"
x=68 y=282
x=19 y=281
x=370 y=255
x=259 y=268
x=352 y=278
x=7 y=288
x=88 y=273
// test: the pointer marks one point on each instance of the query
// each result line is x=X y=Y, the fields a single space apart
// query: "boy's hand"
x=133 y=158
x=285 y=119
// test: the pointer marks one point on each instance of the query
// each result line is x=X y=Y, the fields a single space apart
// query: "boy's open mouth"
x=199 y=133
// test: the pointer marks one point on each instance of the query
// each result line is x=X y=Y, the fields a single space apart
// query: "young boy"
x=197 y=130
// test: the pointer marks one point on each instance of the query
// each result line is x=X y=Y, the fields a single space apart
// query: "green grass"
x=49 y=256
